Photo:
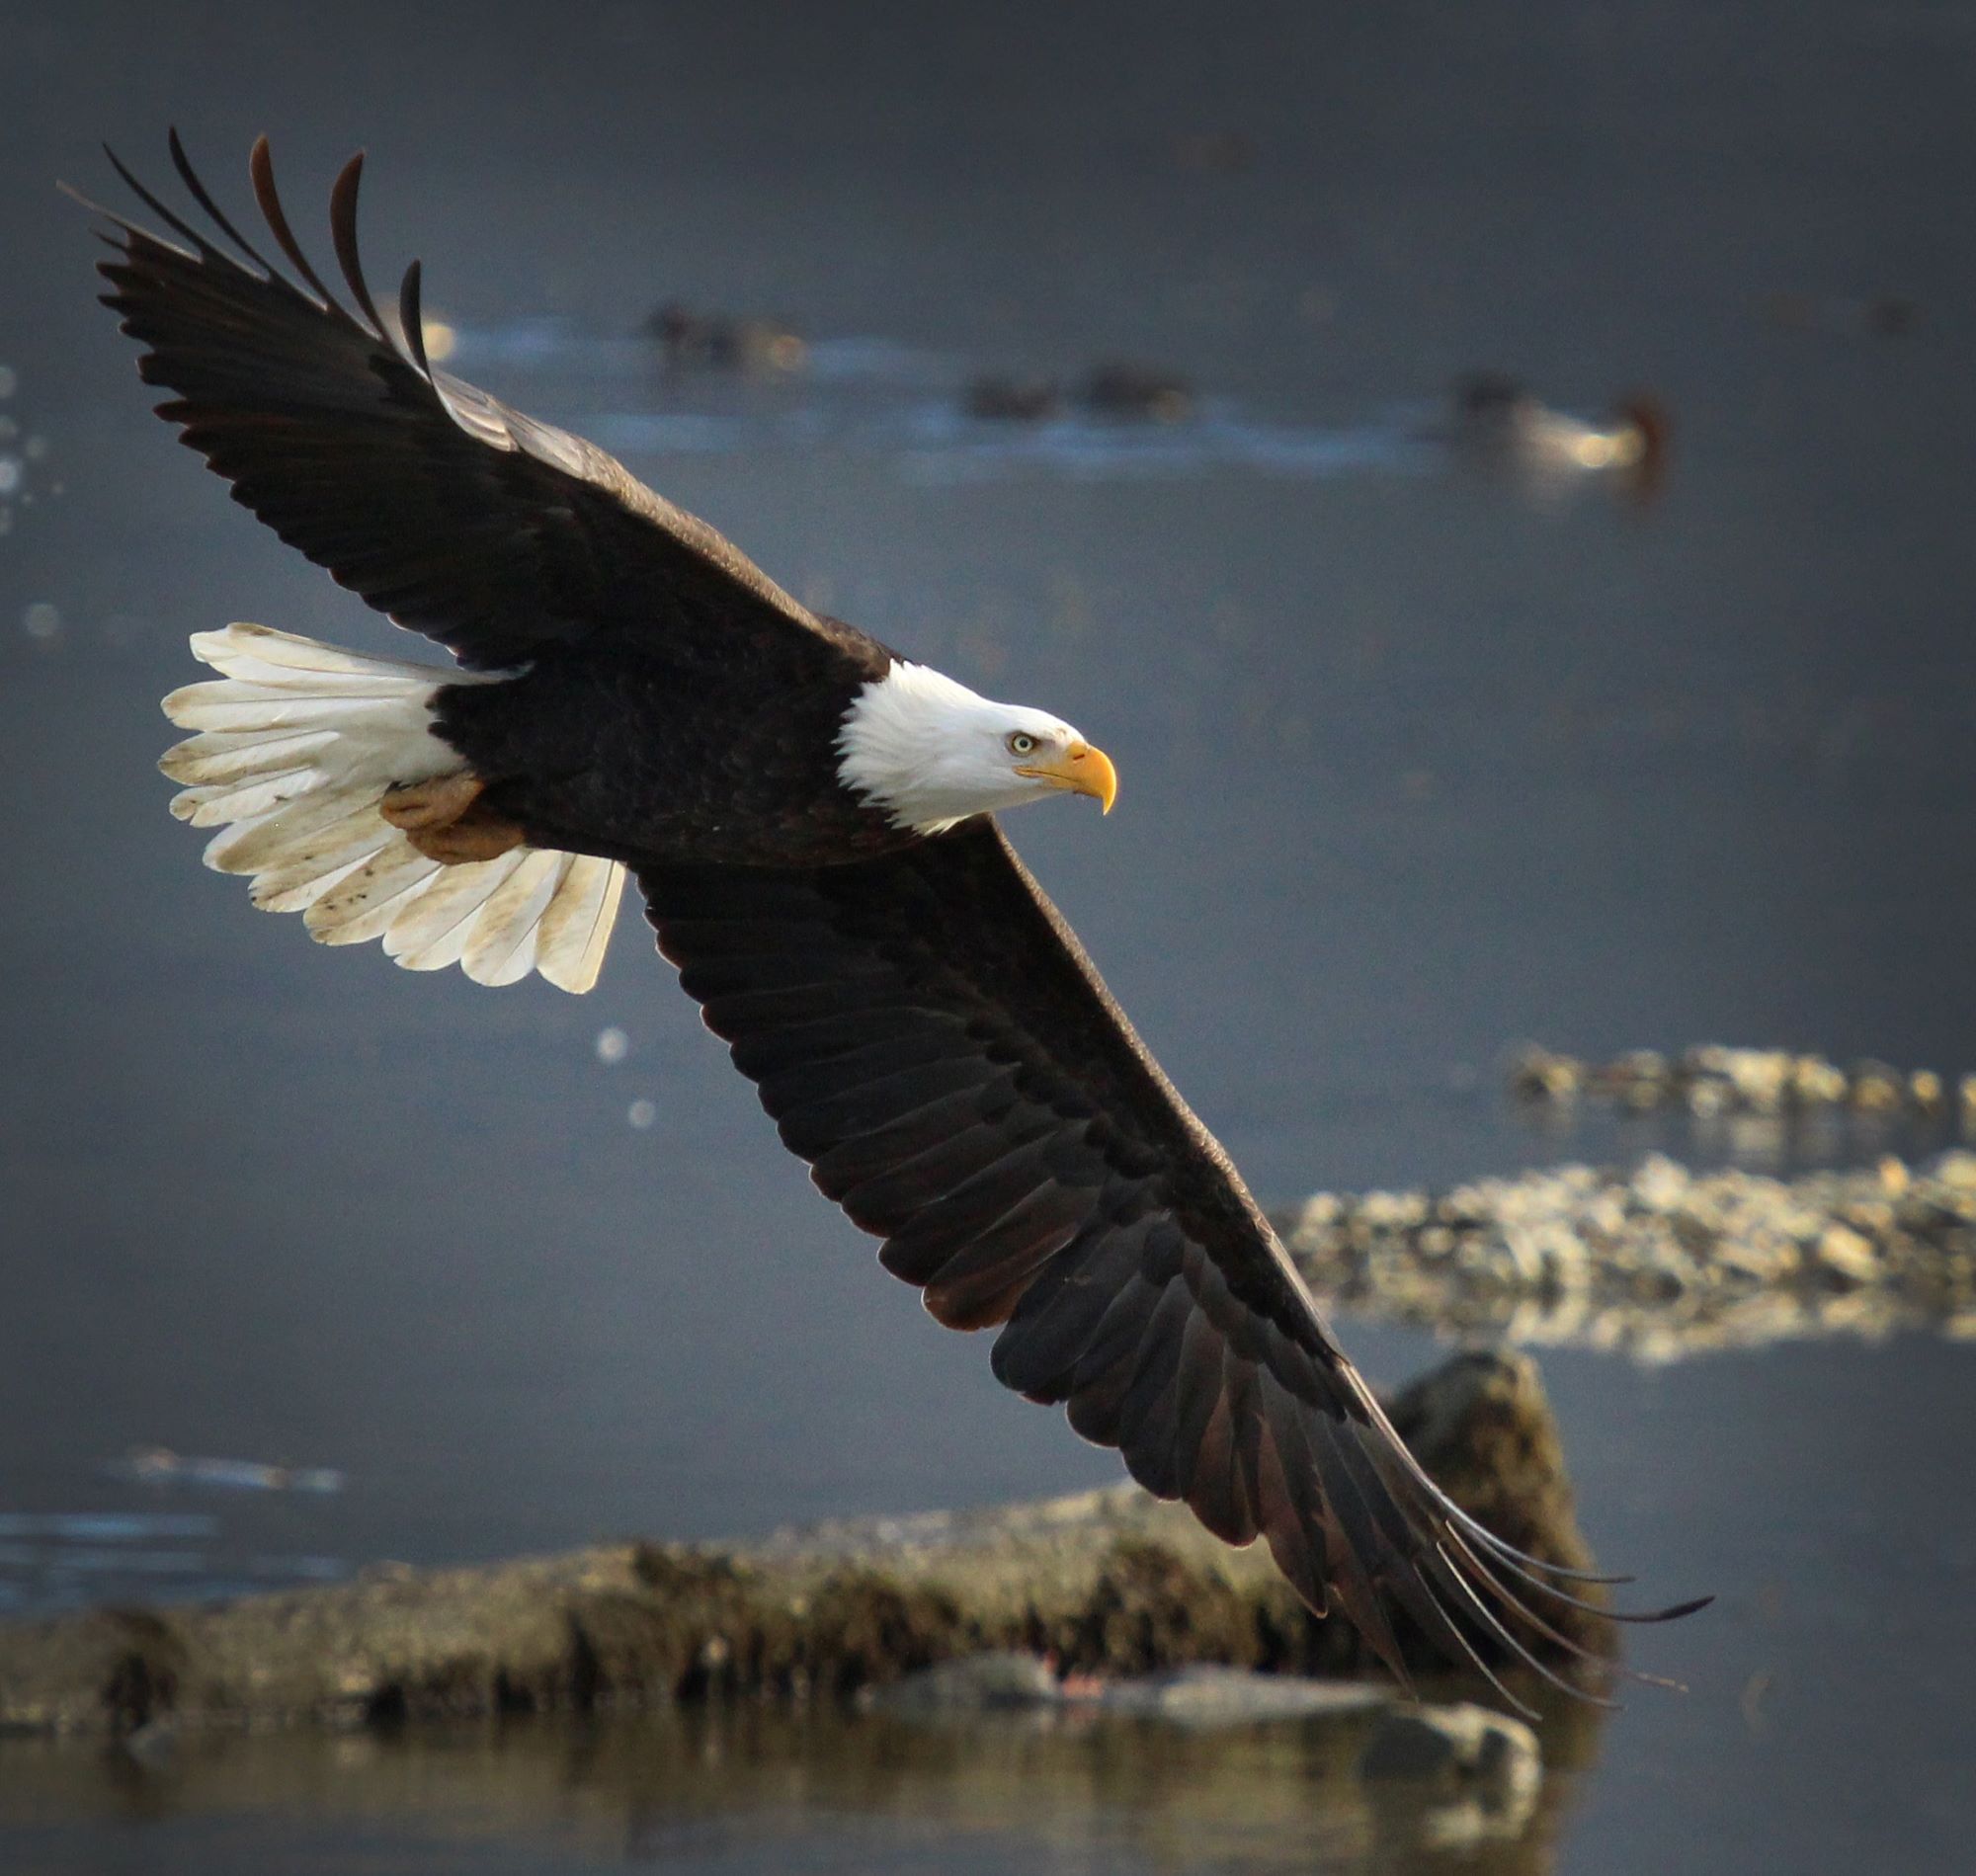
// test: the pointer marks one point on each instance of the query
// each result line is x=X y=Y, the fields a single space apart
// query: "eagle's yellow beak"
x=1081 y=770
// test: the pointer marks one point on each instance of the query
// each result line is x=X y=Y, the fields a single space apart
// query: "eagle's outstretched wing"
x=932 y=1039
x=457 y=515
x=924 y=1027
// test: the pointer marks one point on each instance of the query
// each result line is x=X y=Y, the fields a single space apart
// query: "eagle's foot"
x=447 y=821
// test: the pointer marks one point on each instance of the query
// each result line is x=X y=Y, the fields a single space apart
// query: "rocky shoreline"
x=1714 y=1079
x=1657 y=1263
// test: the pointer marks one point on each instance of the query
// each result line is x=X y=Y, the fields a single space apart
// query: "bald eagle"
x=811 y=819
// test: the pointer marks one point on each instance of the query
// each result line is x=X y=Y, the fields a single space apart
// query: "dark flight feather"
x=459 y=518
x=1031 y=1166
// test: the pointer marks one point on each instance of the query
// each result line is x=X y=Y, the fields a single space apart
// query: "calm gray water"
x=1414 y=766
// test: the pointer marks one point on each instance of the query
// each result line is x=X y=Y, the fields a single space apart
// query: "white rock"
x=1234 y=1696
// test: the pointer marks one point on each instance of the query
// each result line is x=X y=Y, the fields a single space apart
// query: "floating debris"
x=642 y=1114
x=722 y=343
x=612 y=1046
x=1712 y=1079
x=160 y=1466
x=1658 y=1262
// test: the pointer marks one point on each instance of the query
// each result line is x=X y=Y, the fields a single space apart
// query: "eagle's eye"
x=1021 y=744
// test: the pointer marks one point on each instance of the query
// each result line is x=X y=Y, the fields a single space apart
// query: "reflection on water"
x=761 y=1789
x=937 y=442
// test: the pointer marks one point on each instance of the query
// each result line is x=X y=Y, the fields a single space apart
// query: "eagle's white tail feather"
x=296 y=746
x=576 y=926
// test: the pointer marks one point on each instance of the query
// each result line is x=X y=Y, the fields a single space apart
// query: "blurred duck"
x=1501 y=423
x=1138 y=393
x=722 y=343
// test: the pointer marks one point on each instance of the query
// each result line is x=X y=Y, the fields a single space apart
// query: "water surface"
x=1413 y=767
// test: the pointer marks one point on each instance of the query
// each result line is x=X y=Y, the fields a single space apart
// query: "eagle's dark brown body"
x=927 y=1033
x=641 y=756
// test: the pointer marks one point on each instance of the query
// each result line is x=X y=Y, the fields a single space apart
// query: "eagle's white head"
x=930 y=752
